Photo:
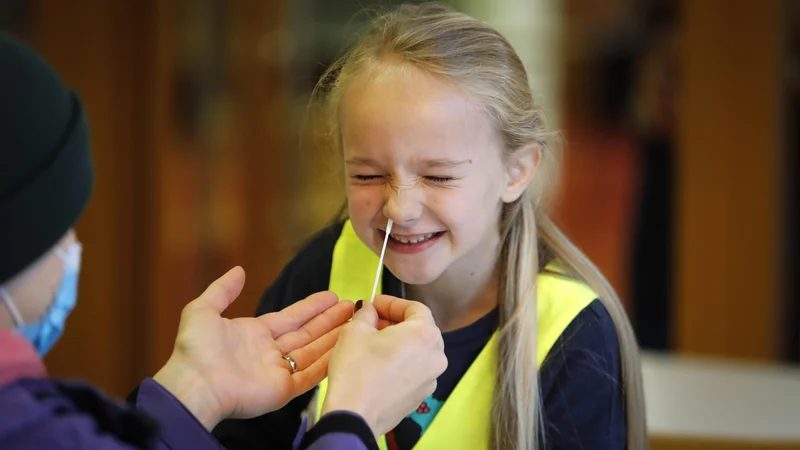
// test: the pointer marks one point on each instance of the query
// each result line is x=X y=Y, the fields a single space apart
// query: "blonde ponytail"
x=515 y=415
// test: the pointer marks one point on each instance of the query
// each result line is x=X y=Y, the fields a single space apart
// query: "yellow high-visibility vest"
x=464 y=420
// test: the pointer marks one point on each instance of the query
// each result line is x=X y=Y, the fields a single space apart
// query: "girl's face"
x=418 y=152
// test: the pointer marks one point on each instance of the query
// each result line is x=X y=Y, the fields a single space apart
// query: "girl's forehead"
x=413 y=109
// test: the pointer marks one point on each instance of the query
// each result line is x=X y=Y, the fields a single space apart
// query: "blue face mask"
x=44 y=333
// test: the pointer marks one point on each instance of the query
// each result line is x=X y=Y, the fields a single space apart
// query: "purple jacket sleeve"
x=65 y=416
x=179 y=428
x=337 y=431
x=42 y=413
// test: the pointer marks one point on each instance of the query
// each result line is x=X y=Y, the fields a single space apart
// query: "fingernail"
x=359 y=304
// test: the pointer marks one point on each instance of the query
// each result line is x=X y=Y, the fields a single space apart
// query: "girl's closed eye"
x=439 y=179
x=433 y=179
x=366 y=178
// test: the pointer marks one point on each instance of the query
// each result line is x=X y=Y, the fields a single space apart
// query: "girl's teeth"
x=415 y=240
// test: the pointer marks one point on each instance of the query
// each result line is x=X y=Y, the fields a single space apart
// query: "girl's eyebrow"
x=443 y=163
x=440 y=163
x=361 y=162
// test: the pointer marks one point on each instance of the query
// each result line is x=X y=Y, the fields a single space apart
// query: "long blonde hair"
x=475 y=57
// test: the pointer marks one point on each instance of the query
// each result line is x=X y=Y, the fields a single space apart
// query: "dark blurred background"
x=681 y=127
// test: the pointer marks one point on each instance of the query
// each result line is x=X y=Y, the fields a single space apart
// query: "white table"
x=718 y=399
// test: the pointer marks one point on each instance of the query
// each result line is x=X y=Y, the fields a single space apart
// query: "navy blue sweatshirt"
x=580 y=378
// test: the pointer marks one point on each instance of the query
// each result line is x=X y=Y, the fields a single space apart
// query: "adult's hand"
x=383 y=375
x=224 y=368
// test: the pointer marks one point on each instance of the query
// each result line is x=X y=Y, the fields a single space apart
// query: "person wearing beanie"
x=220 y=368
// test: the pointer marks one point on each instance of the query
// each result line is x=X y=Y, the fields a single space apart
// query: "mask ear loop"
x=71 y=256
x=12 y=308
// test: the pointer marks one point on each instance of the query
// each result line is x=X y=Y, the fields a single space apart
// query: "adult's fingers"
x=367 y=315
x=305 y=380
x=329 y=319
x=222 y=292
x=383 y=323
x=305 y=357
x=398 y=310
x=293 y=317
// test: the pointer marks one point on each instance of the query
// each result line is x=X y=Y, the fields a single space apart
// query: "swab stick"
x=380 y=263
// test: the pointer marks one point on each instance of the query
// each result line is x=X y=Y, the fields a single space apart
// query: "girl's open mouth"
x=411 y=243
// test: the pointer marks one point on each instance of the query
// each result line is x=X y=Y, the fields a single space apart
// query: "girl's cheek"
x=367 y=204
x=362 y=200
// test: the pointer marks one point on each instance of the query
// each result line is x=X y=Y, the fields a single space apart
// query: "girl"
x=434 y=117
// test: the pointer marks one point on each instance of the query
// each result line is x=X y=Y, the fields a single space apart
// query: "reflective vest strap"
x=353 y=267
x=352 y=275
x=558 y=301
x=465 y=418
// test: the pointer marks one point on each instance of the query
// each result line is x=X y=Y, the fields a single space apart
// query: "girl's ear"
x=520 y=170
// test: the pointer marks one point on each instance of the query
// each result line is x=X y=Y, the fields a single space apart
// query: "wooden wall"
x=730 y=152
x=103 y=50
x=729 y=201
x=173 y=208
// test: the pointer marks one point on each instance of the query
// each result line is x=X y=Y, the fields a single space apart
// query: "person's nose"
x=402 y=205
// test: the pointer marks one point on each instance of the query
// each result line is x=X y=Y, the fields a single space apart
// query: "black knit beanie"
x=46 y=171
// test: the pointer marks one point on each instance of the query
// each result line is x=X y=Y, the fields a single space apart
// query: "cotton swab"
x=380 y=262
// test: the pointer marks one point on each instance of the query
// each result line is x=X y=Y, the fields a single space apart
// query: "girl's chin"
x=412 y=274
